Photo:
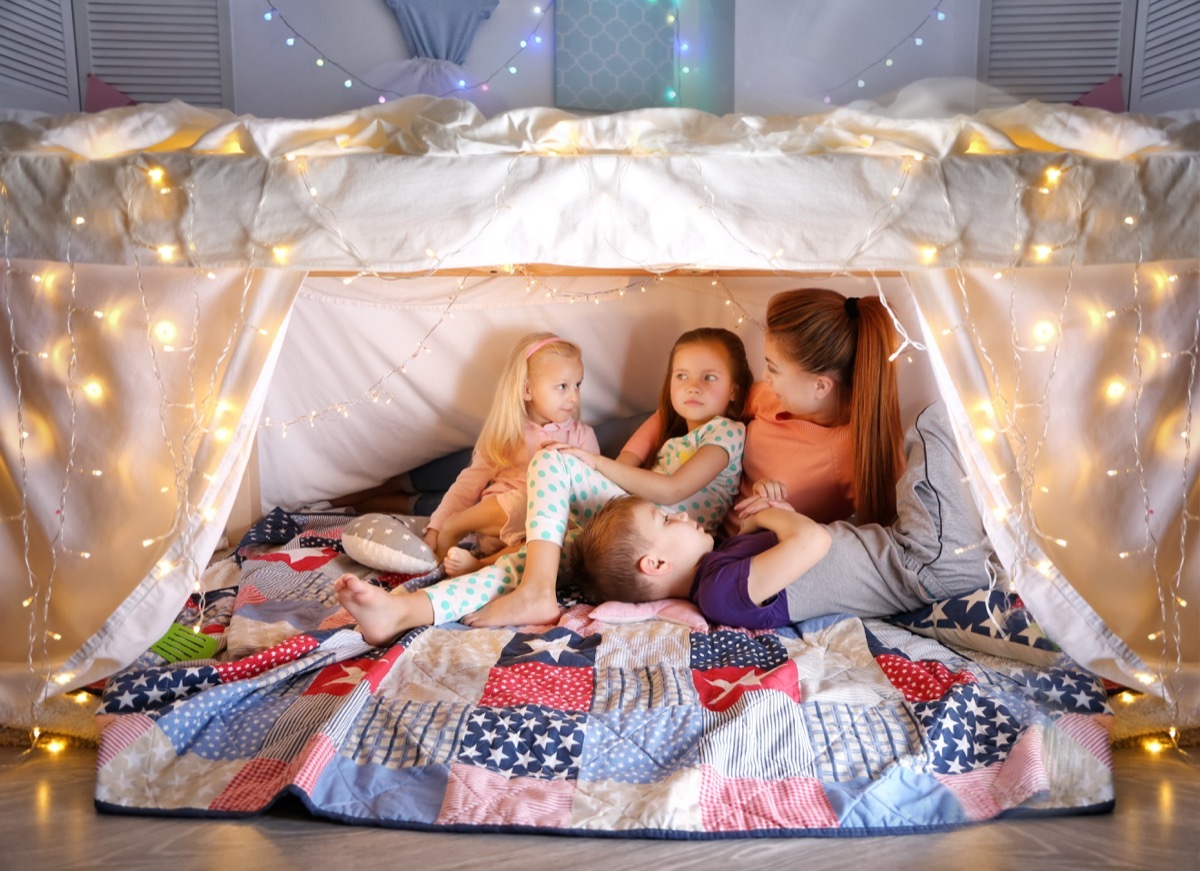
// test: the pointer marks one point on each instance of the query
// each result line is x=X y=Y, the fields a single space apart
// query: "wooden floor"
x=47 y=821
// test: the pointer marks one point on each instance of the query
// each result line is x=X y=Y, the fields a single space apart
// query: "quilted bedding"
x=662 y=727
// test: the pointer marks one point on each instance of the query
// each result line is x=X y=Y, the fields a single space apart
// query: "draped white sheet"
x=132 y=399
x=1026 y=217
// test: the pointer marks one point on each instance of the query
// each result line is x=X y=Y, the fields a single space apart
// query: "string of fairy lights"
x=1004 y=408
x=683 y=64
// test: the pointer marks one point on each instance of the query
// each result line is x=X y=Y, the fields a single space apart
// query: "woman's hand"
x=770 y=489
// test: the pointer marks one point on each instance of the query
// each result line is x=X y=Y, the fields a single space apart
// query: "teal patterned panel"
x=612 y=55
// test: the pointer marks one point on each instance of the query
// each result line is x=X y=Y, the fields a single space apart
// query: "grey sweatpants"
x=935 y=548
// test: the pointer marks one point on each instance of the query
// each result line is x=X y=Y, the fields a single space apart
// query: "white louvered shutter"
x=1166 y=64
x=157 y=51
x=37 y=56
x=1054 y=50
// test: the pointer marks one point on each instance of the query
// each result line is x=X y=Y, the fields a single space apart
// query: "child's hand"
x=584 y=456
x=431 y=539
x=747 y=509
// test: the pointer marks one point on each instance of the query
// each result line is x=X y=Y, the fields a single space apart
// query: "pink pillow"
x=1107 y=95
x=679 y=611
x=101 y=95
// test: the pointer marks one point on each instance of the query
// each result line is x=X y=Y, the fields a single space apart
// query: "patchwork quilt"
x=656 y=725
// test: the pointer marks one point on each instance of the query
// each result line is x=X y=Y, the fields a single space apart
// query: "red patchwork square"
x=922 y=681
x=535 y=683
x=720 y=688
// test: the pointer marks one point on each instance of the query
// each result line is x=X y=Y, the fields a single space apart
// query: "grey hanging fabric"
x=441 y=29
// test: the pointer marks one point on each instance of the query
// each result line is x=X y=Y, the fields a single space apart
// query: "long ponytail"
x=875 y=415
x=852 y=341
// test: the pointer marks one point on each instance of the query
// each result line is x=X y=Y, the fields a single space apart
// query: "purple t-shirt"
x=721 y=589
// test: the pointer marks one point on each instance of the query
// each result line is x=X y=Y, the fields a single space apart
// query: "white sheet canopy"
x=182 y=286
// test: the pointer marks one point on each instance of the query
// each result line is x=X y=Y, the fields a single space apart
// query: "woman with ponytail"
x=824 y=432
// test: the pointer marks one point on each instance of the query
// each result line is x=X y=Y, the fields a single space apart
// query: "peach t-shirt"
x=814 y=462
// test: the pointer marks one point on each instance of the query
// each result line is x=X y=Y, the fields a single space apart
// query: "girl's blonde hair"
x=739 y=372
x=850 y=340
x=502 y=440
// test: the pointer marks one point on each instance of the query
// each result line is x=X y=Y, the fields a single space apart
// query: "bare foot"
x=381 y=615
x=518 y=608
x=460 y=561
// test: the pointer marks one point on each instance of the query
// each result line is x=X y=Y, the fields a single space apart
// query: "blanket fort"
x=668 y=729
x=158 y=258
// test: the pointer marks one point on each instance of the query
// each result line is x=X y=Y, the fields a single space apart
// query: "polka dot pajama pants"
x=563 y=495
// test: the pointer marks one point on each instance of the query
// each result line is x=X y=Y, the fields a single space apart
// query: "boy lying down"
x=782 y=568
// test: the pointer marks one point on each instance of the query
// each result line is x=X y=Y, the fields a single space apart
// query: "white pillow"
x=387 y=543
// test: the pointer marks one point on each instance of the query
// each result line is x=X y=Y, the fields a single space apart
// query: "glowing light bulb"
x=155 y=174
x=919 y=41
x=166 y=253
x=888 y=62
x=320 y=61
x=512 y=71
x=1153 y=745
x=290 y=41
x=671 y=95
x=861 y=83
x=524 y=44
x=165 y=331
x=928 y=253
x=1053 y=174
x=986 y=434
x=1042 y=252
x=1115 y=389
x=347 y=83
x=56 y=745
x=280 y=253
x=1043 y=332
x=80 y=221
x=1130 y=220
x=93 y=390
x=267 y=16
x=223 y=434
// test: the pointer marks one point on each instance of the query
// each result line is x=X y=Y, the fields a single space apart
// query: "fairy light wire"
x=904 y=39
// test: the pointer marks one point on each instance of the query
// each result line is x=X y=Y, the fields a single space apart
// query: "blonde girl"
x=824 y=432
x=536 y=401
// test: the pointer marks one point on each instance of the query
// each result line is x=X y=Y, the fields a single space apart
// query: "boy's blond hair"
x=502 y=440
x=603 y=559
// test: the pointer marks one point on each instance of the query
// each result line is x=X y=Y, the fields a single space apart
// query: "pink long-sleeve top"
x=482 y=479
